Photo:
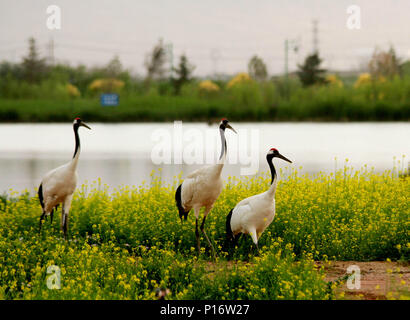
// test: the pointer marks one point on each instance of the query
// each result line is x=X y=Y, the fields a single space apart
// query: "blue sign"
x=109 y=99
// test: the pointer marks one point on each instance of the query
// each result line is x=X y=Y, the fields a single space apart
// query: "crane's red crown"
x=273 y=149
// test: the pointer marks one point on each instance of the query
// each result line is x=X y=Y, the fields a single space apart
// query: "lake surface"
x=126 y=154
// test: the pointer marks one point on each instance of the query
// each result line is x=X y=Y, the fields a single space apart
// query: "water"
x=120 y=154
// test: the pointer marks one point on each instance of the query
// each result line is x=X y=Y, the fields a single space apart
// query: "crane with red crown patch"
x=58 y=185
x=254 y=214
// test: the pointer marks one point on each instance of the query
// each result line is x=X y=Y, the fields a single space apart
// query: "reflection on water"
x=121 y=154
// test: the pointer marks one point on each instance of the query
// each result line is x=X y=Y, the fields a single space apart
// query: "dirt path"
x=378 y=279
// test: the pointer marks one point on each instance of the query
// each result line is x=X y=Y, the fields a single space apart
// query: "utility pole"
x=292 y=44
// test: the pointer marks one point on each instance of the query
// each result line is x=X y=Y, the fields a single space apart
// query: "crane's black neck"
x=269 y=158
x=77 y=140
x=223 y=141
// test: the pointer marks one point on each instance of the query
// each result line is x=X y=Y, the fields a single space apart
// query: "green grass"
x=388 y=101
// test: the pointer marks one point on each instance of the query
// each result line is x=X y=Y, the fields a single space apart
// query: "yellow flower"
x=239 y=79
x=364 y=79
x=106 y=85
x=208 y=86
x=333 y=80
x=72 y=90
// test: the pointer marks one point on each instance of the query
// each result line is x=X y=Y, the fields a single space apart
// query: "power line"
x=213 y=59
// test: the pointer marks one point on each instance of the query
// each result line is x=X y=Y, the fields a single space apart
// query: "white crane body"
x=202 y=188
x=254 y=214
x=58 y=185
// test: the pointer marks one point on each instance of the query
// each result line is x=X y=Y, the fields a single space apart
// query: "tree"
x=384 y=64
x=310 y=72
x=257 y=69
x=11 y=69
x=184 y=72
x=114 y=68
x=34 y=67
x=155 y=62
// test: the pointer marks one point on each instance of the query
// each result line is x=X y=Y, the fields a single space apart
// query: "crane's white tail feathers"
x=178 y=199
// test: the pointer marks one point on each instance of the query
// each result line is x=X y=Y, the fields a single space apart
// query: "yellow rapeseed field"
x=125 y=243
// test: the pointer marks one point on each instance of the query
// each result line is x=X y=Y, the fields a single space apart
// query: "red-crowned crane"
x=254 y=214
x=59 y=184
x=202 y=187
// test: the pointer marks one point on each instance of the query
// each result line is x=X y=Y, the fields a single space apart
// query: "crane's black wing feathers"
x=178 y=200
x=229 y=234
x=40 y=195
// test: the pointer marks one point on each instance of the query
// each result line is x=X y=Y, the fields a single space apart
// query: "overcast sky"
x=217 y=35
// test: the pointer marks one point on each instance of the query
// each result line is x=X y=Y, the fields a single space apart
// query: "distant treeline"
x=35 y=91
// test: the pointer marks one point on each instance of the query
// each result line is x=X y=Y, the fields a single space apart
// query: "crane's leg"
x=198 y=242
x=63 y=220
x=254 y=236
x=41 y=220
x=203 y=230
x=257 y=248
x=51 y=216
x=52 y=213
x=64 y=214
x=236 y=239
x=232 y=243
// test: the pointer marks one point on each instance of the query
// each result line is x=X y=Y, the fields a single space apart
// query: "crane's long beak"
x=84 y=125
x=283 y=158
x=229 y=127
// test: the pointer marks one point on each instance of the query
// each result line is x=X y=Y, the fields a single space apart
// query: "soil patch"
x=379 y=280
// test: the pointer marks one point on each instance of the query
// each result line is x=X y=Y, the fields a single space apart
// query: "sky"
x=218 y=36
